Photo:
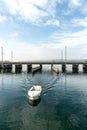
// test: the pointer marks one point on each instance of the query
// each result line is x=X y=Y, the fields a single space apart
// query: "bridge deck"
x=47 y=62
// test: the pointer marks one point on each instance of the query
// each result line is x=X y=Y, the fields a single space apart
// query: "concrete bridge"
x=46 y=62
x=8 y=65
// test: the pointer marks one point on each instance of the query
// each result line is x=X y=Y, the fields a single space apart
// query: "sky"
x=42 y=29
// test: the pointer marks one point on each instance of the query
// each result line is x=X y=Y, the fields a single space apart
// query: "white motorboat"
x=35 y=92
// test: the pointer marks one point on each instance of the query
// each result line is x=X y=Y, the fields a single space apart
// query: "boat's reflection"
x=34 y=102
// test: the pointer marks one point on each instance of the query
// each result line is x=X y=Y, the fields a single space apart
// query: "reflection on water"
x=63 y=104
x=34 y=102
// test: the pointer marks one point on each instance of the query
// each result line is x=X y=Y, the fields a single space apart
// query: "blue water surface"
x=63 y=104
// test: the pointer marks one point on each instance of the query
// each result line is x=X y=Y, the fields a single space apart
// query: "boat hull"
x=34 y=97
x=35 y=92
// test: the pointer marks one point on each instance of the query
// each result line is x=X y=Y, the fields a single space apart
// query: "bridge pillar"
x=18 y=68
x=51 y=66
x=6 y=67
x=0 y=67
x=29 y=67
x=75 y=68
x=40 y=67
x=9 y=67
x=63 y=67
x=85 y=68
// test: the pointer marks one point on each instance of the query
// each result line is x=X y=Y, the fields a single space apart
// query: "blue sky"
x=40 y=29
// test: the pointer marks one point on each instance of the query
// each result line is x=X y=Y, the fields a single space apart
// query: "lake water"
x=63 y=104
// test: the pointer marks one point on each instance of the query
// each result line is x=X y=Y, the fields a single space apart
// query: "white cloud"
x=74 y=3
x=12 y=6
x=84 y=9
x=31 y=13
x=70 y=39
x=43 y=12
x=76 y=43
x=14 y=35
x=54 y=22
x=2 y=18
x=28 y=51
x=26 y=9
x=80 y=5
x=34 y=11
x=80 y=22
